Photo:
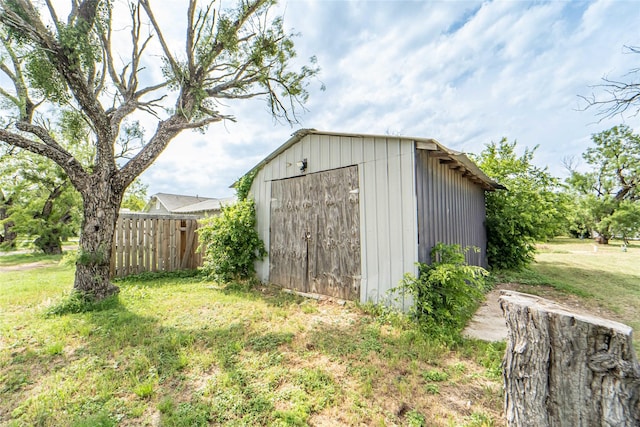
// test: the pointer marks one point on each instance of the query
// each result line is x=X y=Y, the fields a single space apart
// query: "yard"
x=601 y=279
x=181 y=351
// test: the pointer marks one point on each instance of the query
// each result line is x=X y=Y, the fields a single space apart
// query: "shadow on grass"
x=617 y=292
x=160 y=278
x=124 y=358
x=533 y=277
x=249 y=289
x=272 y=295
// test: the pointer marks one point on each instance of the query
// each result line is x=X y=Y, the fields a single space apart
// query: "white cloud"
x=465 y=73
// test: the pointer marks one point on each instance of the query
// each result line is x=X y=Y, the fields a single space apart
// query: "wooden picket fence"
x=150 y=243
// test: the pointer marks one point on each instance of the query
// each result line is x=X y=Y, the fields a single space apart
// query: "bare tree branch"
x=190 y=37
x=70 y=165
x=166 y=130
x=621 y=96
x=54 y=15
x=204 y=122
x=228 y=54
x=165 y=47
x=21 y=99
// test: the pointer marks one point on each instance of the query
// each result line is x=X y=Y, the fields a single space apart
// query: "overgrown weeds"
x=446 y=292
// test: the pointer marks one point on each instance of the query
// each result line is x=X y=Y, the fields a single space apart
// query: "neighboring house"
x=176 y=204
x=347 y=215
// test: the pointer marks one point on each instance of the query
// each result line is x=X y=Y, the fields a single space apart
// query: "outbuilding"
x=347 y=215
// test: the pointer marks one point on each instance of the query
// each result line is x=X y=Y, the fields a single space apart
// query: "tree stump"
x=566 y=369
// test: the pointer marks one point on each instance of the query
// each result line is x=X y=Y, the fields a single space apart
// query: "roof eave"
x=458 y=161
x=421 y=143
x=295 y=137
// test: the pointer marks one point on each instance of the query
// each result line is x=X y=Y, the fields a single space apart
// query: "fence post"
x=566 y=369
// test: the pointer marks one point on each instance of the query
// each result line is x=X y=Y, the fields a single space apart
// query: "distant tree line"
x=600 y=202
x=39 y=205
x=605 y=198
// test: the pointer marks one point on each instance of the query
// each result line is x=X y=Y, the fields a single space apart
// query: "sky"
x=462 y=72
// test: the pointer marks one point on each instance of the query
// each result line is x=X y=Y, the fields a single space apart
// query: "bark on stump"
x=565 y=369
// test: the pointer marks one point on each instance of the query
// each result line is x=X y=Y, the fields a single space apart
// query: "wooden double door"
x=315 y=233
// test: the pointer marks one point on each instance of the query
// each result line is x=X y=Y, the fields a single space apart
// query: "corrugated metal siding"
x=451 y=209
x=387 y=201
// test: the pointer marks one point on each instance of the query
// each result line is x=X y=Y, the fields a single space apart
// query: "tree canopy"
x=531 y=209
x=105 y=79
x=39 y=204
x=608 y=193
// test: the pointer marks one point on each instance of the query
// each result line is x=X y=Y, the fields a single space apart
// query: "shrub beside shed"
x=347 y=215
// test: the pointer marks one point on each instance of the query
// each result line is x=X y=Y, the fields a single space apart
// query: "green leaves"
x=446 y=290
x=44 y=206
x=243 y=186
x=625 y=221
x=80 y=45
x=45 y=79
x=135 y=196
x=231 y=242
x=532 y=208
x=610 y=186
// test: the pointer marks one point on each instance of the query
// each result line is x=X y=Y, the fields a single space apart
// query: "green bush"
x=531 y=209
x=446 y=291
x=231 y=242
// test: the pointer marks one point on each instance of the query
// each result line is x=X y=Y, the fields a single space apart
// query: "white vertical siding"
x=261 y=191
x=388 y=222
x=381 y=226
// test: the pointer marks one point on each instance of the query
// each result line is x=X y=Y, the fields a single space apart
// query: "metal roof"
x=456 y=159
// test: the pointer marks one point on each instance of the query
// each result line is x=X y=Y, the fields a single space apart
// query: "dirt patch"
x=488 y=323
x=27 y=266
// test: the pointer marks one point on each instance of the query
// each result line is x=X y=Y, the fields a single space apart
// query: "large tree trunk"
x=49 y=243
x=96 y=239
x=49 y=240
x=8 y=236
x=567 y=369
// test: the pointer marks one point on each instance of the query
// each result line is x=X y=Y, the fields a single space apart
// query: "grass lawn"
x=606 y=278
x=605 y=273
x=180 y=351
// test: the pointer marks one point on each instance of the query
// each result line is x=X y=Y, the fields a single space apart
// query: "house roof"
x=205 y=205
x=176 y=201
x=456 y=159
x=180 y=204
